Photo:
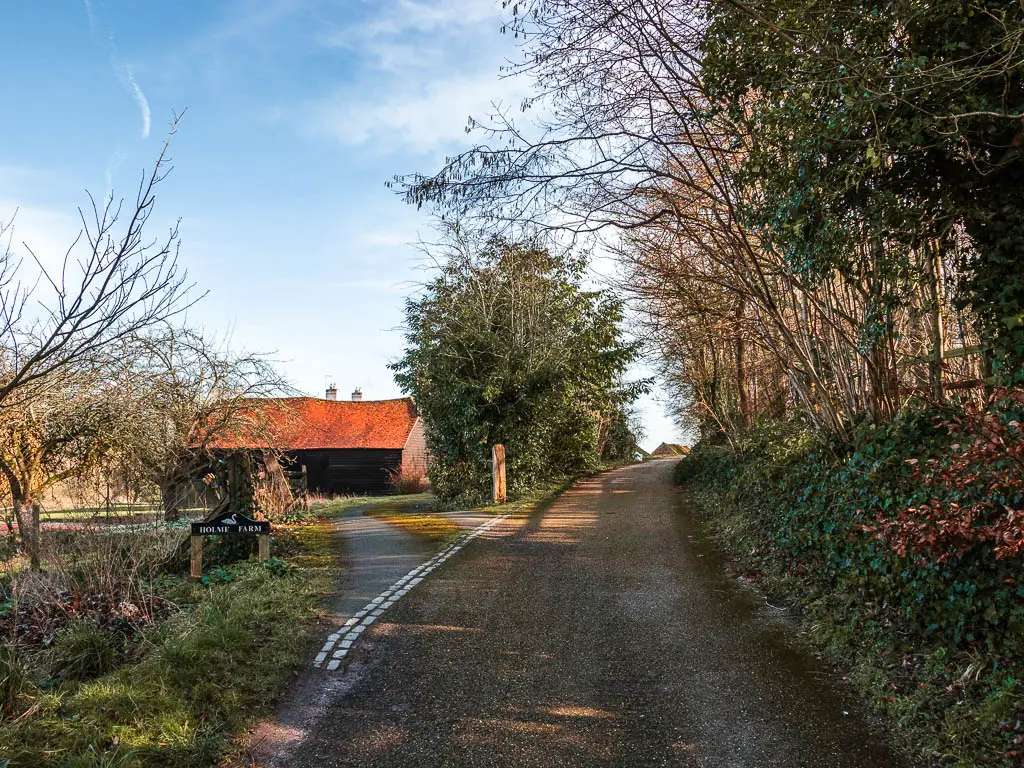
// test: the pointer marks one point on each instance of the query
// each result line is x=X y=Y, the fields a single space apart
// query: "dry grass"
x=332 y=505
x=403 y=483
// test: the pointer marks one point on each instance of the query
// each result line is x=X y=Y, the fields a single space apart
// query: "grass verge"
x=334 y=507
x=200 y=675
x=418 y=513
x=415 y=518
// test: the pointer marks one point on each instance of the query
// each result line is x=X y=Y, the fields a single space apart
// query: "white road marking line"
x=353 y=627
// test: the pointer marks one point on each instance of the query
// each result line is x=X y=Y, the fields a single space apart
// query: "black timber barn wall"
x=347 y=470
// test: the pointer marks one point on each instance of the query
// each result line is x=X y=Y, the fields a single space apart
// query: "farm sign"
x=229 y=524
x=235 y=523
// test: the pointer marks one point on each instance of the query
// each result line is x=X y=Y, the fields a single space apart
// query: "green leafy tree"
x=505 y=346
x=881 y=129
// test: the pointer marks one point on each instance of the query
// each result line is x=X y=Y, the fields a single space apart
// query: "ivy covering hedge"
x=929 y=625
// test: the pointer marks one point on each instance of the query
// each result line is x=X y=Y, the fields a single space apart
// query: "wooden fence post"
x=197 y=557
x=498 y=460
x=264 y=546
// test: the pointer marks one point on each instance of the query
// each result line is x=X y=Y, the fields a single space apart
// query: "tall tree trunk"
x=879 y=380
x=713 y=391
x=988 y=373
x=27 y=515
x=28 y=527
x=170 y=497
x=877 y=374
x=34 y=555
x=741 y=371
x=937 y=329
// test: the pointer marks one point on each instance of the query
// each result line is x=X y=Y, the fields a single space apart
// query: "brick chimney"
x=332 y=393
x=357 y=395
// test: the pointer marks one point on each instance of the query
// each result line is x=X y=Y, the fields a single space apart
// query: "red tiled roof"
x=305 y=423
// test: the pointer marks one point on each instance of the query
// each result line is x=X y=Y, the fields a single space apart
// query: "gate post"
x=197 y=557
x=498 y=478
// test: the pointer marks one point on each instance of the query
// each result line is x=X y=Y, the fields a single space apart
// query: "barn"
x=355 y=446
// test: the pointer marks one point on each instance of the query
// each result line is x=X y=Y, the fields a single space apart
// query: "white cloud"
x=422 y=68
x=424 y=121
x=46 y=231
x=404 y=18
x=113 y=164
x=386 y=239
x=92 y=16
x=421 y=16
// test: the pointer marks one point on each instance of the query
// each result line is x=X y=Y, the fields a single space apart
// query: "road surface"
x=601 y=632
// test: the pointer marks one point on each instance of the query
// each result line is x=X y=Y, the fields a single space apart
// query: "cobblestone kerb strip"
x=340 y=643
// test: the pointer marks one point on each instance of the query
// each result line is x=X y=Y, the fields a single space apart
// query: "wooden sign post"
x=498 y=460
x=231 y=525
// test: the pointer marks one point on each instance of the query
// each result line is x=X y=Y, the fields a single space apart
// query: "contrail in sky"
x=122 y=70
x=140 y=99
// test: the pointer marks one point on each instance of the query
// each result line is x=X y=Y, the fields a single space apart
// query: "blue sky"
x=298 y=112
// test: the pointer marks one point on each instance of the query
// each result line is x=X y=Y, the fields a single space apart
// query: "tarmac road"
x=602 y=632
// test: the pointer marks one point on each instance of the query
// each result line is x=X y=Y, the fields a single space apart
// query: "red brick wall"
x=414 y=455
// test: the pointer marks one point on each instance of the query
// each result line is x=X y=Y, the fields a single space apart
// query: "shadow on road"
x=602 y=631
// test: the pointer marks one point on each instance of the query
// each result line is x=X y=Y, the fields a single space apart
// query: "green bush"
x=813 y=508
x=506 y=346
x=277 y=566
x=82 y=651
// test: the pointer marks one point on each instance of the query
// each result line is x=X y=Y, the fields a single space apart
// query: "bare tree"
x=189 y=396
x=113 y=283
